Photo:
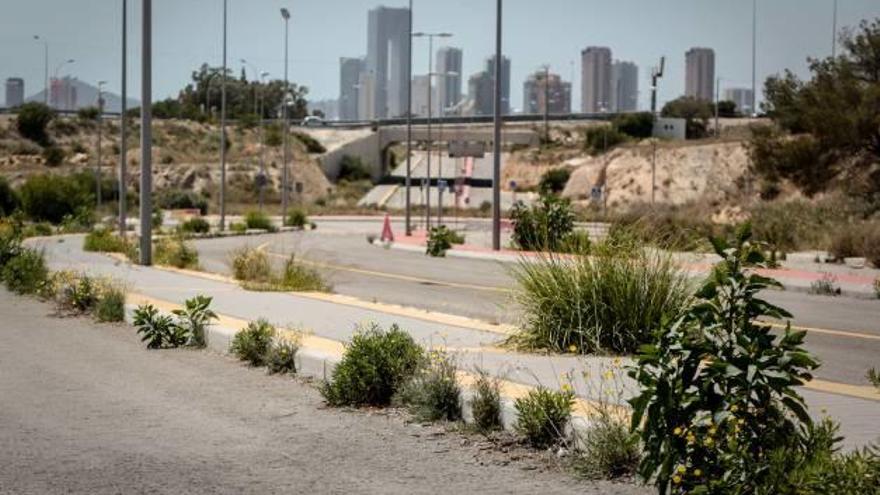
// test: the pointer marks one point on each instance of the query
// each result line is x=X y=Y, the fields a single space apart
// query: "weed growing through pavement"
x=110 y=307
x=486 y=402
x=194 y=319
x=252 y=344
x=175 y=251
x=252 y=267
x=543 y=416
x=874 y=377
x=825 y=286
x=281 y=358
x=433 y=394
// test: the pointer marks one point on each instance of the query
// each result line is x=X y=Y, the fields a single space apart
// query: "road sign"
x=596 y=193
x=513 y=185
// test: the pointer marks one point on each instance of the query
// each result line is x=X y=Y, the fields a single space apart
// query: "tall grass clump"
x=106 y=241
x=254 y=342
x=611 y=301
x=296 y=276
x=433 y=394
x=543 y=415
x=26 y=272
x=486 y=402
x=251 y=265
x=281 y=357
x=258 y=220
x=110 y=306
x=174 y=251
x=376 y=364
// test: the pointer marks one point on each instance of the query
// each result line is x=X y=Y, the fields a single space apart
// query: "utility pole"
x=496 y=168
x=653 y=168
x=146 y=241
x=546 y=103
x=834 y=32
x=100 y=125
x=285 y=14
x=717 y=101
x=223 y=130
x=754 y=56
x=408 y=182
x=656 y=75
x=123 y=126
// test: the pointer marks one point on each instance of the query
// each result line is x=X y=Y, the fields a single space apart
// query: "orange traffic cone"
x=387 y=234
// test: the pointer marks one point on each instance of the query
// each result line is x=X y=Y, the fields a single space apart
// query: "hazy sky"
x=189 y=32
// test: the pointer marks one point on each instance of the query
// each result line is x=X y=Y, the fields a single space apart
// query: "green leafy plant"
x=106 y=241
x=110 y=306
x=51 y=197
x=175 y=251
x=312 y=145
x=296 y=276
x=53 y=156
x=32 y=121
x=253 y=343
x=194 y=318
x=10 y=240
x=176 y=199
x=238 y=227
x=553 y=181
x=8 y=198
x=608 y=449
x=157 y=330
x=433 y=394
x=39 y=229
x=281 y=358
x=486 y=402
x=25 y=272
x=718 y=389
x=543 y=415
x=78 y=294
x=543 y=226
x=440 y=240
x=296 y=218
x=352 y=169
x=873 y=377
x=258 y=220
x=825 y=286
x=195 y=225
x=374 y=367
x=251 y=265
x=611 y=300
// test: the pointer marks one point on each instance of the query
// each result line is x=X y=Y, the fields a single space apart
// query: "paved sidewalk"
x=336 y=317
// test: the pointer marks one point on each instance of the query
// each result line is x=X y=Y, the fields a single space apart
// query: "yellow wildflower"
x=566 y=387
x=682 y=469
x=677 y=431
x=572 y=348
x=676 y=479
x=698 y=472
x=708 y=442
x=734 y=408
x=608 y=375
x=713 y=431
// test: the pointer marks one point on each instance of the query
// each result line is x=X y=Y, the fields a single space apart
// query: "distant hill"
x=87 y=96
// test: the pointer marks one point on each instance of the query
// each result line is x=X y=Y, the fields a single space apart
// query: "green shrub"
x=598 y=140
x=542 y=226
x=877 y=286
x=10 y=240
x=676 y=228
x=543 y=415
x=53 y=155
x=825 y=286
x=608 y=450
x=439 y=241
x=251 y=265
x=258 y=220
x=254 y=342
x=639 y=125
x=32 y=121
x=77 y=293
x=38 y=229
x=8 y=198
x=81 y=220
x=486 y=402
x=52 y=197
x=111 y=303
x=610 y=301
x=157 y=330
x=554 y=180
x=194 y=319
x=873 y=377
x=175 y=199
x=176 y=252
x=195 y=225
x=312 y=145
x=26 y=272
x=433 y=393
x=281 y=358
x=238 y=227
x=88 y=114
x=718 y=389
x=374 y=367
x=352 y=169
x=106 y=241
x=296 y=218
x=296 y=276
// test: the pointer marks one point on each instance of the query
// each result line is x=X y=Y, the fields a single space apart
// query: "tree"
x=8 y=198
x=696 y=113
x=32 y=120
x=727 y=109
x=837 y=111
x=638 y=125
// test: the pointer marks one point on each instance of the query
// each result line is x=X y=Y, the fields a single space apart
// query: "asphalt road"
x=86 y=409
x=481 y=289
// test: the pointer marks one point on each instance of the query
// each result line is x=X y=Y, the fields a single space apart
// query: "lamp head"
x=285 y=14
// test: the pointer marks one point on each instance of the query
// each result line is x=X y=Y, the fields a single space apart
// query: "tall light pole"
x=717 y=100
x=100 y=125
x=223 y=130
x=123 y=172
x=754 y=56
x=834 y=32
x=430 y=37
x=285 y=14
x=45 y=67
x=146 y=241
x=496 y=168
x=258 y=110
x=408 y=181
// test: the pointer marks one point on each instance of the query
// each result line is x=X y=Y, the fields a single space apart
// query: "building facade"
x=350 y=70
x=541 y=87
x=624 y=87
x=387 y=59
x=480 y=94
x=421 y=85
x=14 y=92
x=63 y=94
x=448 y=69
x=596 y=79
x=743 y=99
x=700 y=74
x=505 y=84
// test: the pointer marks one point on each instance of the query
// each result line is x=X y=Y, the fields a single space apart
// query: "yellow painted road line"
x=826 y=331
x=858 y=391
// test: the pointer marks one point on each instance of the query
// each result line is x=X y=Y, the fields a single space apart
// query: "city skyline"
x=255 y=34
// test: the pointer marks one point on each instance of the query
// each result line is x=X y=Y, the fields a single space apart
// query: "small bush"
x=877 y=286
x=873 y=377
x=486 y=402
x=238 y=227
x=251 y=265
x=157 y=330
x=32 y=121
x=258 y=220
x=608 y=450
x=282 y=355
x=298 y=277
x=176 y=252
x=10 y=240
x=106 y=241
x=636 y=125
x=598 y=140
x=254 y=342
x=38 y=229
x=76 y=293
x=554 y=181
x=433 y=393
x=175 y=199
x=52 y=197
x=543 y=415
x=376 y=364
x=110 y=306
x=825 y=286
x=439 y=241
x=312 y=145
x=53 y=155
x=195 y=225
x=296 y=218
x=8 y=198
x=352 y=169
x=26 y=272
x=544 y=225
x=194 y=319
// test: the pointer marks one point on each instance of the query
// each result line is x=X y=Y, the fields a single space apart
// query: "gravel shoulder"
x=84 y=408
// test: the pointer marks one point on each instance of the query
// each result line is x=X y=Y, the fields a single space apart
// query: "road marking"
x=858 y=391
x=826 y=331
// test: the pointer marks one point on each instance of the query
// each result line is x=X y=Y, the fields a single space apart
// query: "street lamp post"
x=430 y=37
x=285 y=14
x=496 y=168
x=123 y=172
x=100 y=125
x=146 y=204
x=754 y=56
x=408 y=181
x=223 y=130
x=834 y=32
x=45 y=67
